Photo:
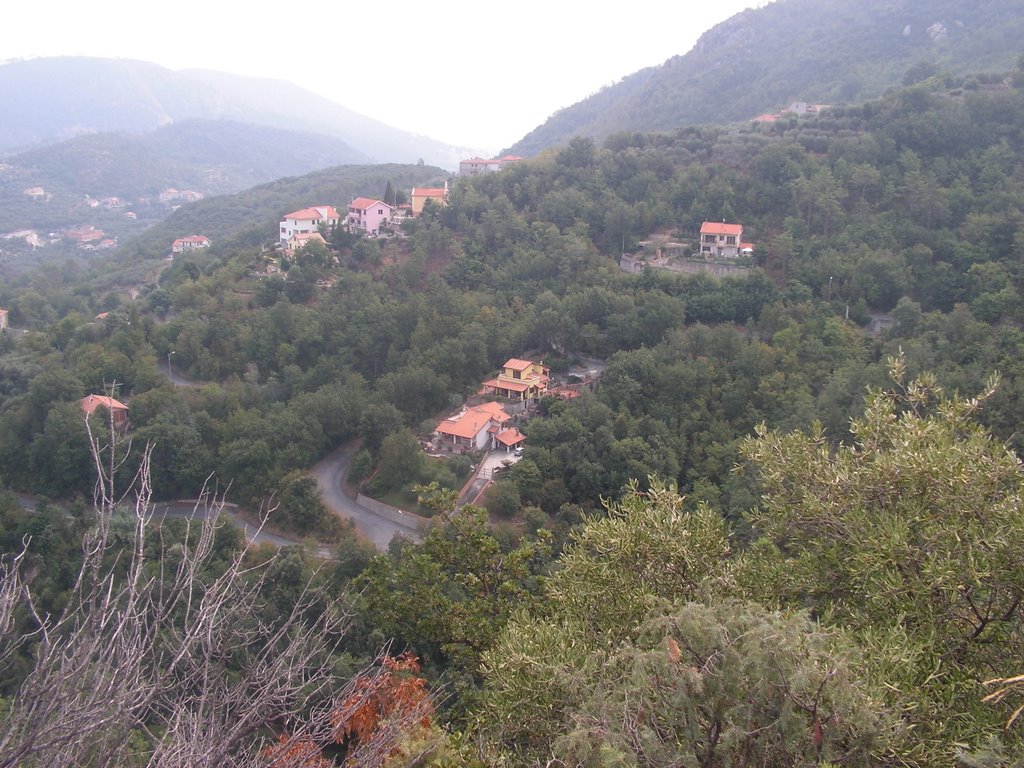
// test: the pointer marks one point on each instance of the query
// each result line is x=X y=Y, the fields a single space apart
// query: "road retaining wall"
x=394 y=514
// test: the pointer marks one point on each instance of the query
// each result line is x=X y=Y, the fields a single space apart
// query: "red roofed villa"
x=190 y=243
x=722 y=239
x=476 y=428
x=522 y=380
x=118 y=410
x=308 y=220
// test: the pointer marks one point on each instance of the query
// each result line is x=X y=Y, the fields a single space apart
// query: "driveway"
x=485 y=474
x=330 y=475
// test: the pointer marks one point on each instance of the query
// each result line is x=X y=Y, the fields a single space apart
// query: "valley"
x=680 y=439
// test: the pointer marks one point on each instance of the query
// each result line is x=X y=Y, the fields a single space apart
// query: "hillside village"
x=591 y=458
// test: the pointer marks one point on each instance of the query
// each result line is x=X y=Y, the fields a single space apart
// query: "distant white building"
x=477 y=166
x=190 y=243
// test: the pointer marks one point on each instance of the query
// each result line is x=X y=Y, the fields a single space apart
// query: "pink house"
x=368 y=215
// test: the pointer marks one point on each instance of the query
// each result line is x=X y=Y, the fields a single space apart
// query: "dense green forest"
x=783 y=530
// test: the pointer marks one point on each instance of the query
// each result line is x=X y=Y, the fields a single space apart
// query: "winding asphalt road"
x=252 y=533
x=330 y=475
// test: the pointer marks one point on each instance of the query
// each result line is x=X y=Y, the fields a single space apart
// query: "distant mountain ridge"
x=83 y=95
x=826 y=51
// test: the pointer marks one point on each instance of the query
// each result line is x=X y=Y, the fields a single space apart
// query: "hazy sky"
x=473 y=73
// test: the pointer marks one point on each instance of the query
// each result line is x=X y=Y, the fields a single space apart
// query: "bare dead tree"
x=154 y=661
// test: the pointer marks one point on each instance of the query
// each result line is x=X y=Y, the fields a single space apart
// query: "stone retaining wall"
x=394 y=514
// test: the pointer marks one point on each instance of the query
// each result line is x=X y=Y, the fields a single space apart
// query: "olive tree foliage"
x=159 y=657
x=636 y=656
x=910 y=538
x=728 y=684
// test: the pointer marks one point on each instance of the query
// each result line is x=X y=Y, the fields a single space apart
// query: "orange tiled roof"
x=469 y=423
x=495 y=410
x=91 y=402
x=366 y=202
x=518 y=365
x=510 y=437
x=316 y=212
x=197 y=239
x=429 y=192
x=510 y=384
x=721 y=228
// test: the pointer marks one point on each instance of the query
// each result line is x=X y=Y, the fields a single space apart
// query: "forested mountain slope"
x=824 y=51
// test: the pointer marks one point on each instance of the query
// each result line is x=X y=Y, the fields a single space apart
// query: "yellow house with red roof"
x=419 y=196
x=523 y=380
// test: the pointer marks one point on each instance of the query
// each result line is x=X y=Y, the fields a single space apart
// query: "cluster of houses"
x=487 y=427
x=90 y=239
x=369 y=216
x=796 y=108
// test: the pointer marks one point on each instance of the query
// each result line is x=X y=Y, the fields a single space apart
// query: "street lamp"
x=169 y=374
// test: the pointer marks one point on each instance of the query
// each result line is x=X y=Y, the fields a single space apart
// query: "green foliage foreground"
x=882 y=590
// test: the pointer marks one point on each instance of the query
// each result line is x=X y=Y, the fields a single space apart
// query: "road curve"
x=253 y=533
x=330 y=475
x=200 y=511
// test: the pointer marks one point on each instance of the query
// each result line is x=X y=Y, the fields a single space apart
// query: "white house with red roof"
x=308 y=220
x=190 y=243
x=368 y=215
x=480 y=427
x=723 y=239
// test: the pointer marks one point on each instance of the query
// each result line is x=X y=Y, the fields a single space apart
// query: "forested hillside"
x=782 y=530
x=824 y=51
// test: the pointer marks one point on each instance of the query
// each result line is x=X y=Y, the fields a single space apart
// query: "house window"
x=730 y=240
x=709 y=238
